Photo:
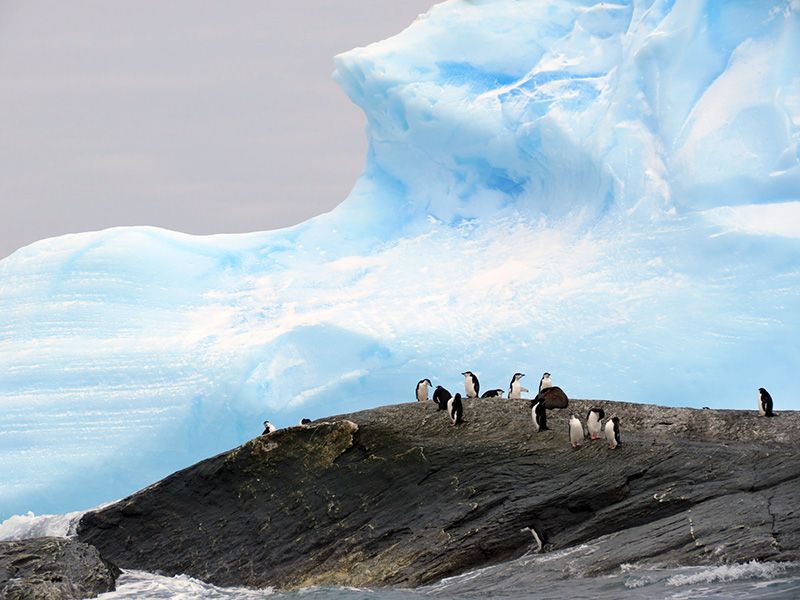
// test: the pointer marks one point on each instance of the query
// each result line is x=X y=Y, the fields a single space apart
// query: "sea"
x=752 y=580
x=552 y=575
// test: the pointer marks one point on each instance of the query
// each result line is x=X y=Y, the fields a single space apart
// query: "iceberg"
x=608 y=191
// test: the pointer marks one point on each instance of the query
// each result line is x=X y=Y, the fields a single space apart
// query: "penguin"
x=456 y=410
x=493 y=394
x=765 y=403
x=269 y=428
x=575 y=431
x=304 y=422
x=539 y=416
x=515 y=388
x=441 y=396
x=612 y=433
x=545 y=382
x=593 y=423
x=422 y=390
x=471 y=384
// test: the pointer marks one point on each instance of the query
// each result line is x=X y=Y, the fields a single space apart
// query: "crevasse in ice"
x=606 y=191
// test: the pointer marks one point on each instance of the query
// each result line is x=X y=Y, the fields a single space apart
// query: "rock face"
x=396 y=496
x=53 y=569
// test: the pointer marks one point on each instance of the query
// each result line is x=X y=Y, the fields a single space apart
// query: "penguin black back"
x=441 y=396
x=766 y=402
x=539 y=415
x=601 y=414
x=471 y=384
x=455 y=408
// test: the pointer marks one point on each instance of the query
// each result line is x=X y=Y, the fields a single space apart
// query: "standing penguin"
x=471 y=384
x=593 y=422
x=612 y=433
x=456 y=410
x=765 y=403
x=492 y=394
x=515 y=389
x=575 y=431
x=422 y=390
x=269 y=428
x=545 y=382
x=539 y=416
x=441 y=396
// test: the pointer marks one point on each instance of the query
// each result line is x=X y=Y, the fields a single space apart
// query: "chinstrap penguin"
x=515 y=388
x=269 y=428
x=765 y=403
x=471 y=384
x=575 y=431
x=493 y=394
x=422 y=390
x=539 y=416
x=545 y=382
x=441 y=396
x=612 y=433
x=456 y=410
x=593 y=423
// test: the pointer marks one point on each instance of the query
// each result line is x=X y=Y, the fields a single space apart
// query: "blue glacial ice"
x=607 y=191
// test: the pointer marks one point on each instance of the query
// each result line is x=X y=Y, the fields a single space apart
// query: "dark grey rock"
x=53 y=569
x=396 y=496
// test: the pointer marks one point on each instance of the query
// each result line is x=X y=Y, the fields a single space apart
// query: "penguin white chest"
x=611 y=438
x=516 y=390
x=593 y=425
x=545 y=383
x=575 y=432
x=469 y=386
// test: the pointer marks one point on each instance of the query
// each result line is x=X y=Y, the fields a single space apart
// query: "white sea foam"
x=19 y=527
x=734 y=572
x=137 y=585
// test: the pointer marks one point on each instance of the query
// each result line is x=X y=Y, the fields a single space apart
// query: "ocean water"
x=752 y=580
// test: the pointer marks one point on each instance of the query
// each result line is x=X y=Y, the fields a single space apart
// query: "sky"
x=202 y=117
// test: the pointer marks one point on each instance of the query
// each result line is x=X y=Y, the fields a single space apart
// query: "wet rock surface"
x=396 y=496
x=53 y=569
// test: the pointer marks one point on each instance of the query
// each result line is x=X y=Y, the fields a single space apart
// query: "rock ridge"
x=394 y=496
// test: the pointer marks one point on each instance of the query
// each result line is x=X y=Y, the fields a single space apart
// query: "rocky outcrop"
x=396 y=496
x=53 y=569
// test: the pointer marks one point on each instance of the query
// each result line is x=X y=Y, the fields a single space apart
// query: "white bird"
x=612 y=432
x=515 y=389
x=545 y=382
x=422 y=390
x=575 y=431
x=594 y=424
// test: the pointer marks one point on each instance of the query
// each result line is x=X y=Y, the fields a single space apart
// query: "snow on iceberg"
x=606 y=191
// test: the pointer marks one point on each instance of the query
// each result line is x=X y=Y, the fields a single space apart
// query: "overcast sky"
x=202 y=117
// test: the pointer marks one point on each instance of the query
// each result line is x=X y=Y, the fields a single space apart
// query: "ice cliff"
x=607 y=191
